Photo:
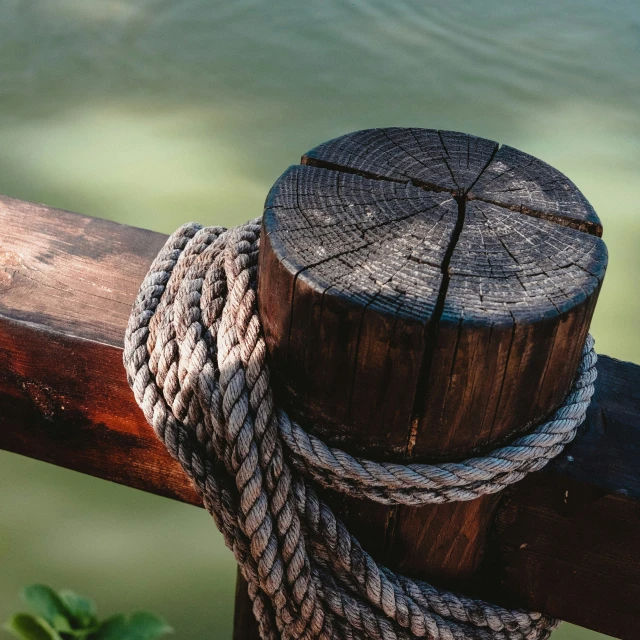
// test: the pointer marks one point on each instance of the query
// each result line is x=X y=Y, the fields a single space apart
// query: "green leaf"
x=82 y=634
x=28 y=627
x=137 y=626
x=83 y=610
x=45 y=602
x=61 y=624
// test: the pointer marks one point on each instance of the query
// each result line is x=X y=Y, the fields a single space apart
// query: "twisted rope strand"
x=195 y=359
x=416 y=484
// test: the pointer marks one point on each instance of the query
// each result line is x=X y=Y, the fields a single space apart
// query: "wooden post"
x=425 y=296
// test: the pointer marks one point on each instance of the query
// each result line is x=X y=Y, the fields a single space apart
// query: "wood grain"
x=406 y=321
x=68 y=283
x=562 y=536
x=516 y=180
x=439 y=160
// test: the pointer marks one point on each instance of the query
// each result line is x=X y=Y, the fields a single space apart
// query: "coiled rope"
x=195 y=359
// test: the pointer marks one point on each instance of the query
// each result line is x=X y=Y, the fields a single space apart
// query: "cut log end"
x=425 y=294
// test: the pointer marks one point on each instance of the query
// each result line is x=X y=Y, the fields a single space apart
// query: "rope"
x=196 y=360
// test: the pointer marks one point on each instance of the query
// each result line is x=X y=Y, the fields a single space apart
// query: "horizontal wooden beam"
x=565 y=540
x=67 y=283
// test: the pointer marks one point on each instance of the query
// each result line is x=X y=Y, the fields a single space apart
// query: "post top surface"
x=395 y=219
x=464 y=165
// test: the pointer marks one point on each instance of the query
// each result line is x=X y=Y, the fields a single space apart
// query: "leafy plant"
x=64 y=615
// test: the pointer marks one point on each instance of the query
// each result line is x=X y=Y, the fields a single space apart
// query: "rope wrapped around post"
x=196 y=361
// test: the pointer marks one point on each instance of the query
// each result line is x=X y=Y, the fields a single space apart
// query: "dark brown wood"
x=245 y=626
x=562 y=537
x=67 y=283
x=375 y=268
x=406 y=321
x=64 y=399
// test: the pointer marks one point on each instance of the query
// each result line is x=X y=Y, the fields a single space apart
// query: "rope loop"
x=195 y=358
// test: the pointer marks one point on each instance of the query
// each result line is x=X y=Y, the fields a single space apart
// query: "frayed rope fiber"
x=196 y=360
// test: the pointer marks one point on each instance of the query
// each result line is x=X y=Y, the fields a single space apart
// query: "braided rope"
x=196 y=362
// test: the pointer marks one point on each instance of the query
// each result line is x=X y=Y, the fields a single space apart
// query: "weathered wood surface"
x=562 y=536
x=406 y=321
x=437 y=327
x=462 y=165
x=67 y=285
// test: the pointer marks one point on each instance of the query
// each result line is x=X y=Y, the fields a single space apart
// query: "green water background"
x=155 y=112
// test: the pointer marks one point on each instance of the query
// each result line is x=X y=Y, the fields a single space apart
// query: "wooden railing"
x=564 y=541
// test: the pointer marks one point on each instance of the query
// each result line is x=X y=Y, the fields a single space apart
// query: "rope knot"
x=196 y=362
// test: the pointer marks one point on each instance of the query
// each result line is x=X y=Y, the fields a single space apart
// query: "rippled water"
x=157 y=112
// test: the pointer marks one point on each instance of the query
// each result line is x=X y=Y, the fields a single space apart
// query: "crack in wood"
x=430 y=338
